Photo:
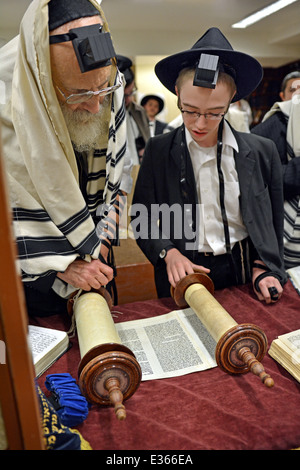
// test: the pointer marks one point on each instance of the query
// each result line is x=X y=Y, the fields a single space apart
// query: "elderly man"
x=281 y=125
x=213 y=199
x=64 y=139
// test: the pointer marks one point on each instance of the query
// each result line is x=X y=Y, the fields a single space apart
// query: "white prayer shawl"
x=52 y=223
x=291 y=110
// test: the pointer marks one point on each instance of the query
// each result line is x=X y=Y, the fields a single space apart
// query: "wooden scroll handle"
x=109 y=377
x=116 y=397
x=240 y=348
x=108 y=371
x=255 y=367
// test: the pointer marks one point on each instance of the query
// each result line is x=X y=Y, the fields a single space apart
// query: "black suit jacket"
x=160 y=182
x=159 y=127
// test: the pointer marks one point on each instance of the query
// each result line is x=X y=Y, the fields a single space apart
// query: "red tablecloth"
x=203 y=410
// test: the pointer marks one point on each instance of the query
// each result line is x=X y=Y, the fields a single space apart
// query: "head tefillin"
x=92 y=46
x=207 y=71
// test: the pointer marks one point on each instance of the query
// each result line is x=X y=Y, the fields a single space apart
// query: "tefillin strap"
x=183 y=181
x=222 y=199
x=188 y=193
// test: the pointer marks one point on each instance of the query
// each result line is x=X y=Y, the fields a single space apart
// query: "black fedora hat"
x=124 y=65
x=246 y=71
x=160 y=101
x=123 y=62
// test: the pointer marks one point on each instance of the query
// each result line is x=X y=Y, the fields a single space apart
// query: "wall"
x=148 y=83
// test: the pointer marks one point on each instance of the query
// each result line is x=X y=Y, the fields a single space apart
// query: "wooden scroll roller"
x=240 y=348
x=108 y=371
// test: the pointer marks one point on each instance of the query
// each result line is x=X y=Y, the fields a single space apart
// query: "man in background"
x=154 y=105
x=281 y=125
x=287 y=85
x=136 y=118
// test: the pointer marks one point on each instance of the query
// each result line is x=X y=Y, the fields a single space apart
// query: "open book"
x=286 y=351
x=294 y=275
x=47 y=345
x=169 y=345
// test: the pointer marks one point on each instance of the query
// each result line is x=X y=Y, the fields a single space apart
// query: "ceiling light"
x=263 y=13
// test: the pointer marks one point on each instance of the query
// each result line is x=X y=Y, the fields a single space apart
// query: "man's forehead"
x=189 y=87
x=78 y=23
x=92 y=45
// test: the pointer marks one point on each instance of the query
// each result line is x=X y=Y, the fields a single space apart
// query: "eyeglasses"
x=76 y=98
x=192 y=115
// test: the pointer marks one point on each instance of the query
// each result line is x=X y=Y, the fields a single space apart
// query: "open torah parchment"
x=169 y=345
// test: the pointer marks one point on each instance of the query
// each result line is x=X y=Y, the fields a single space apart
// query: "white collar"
x=228 y=138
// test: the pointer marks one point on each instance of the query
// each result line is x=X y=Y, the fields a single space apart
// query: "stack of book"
x=286 y=351
x=47 y=345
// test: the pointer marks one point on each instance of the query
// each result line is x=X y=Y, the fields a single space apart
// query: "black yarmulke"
x=63 y=11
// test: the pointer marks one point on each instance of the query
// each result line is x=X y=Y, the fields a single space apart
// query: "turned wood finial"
x=255 y=366
x=112 y=385
x=108 y=372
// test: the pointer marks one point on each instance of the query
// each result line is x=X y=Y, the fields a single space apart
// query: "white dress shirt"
x=152 y=125
x=204 y=161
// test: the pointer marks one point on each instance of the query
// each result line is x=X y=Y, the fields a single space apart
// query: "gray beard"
x=85 y=128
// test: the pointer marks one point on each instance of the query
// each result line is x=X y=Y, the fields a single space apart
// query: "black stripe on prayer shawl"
x=98 y=196
x=120 y=153
x=111 y=133
x=97 y=175
x=288 y=253
x=294 y=205
x=118 y=122
x=119 y=156
x=39 y=215
x=29 y=247
x=98 y=153
x=291 y=238
x=295 y=227
x=114 y=190
x=94 y=200
x=120 y=116
x=73 y=222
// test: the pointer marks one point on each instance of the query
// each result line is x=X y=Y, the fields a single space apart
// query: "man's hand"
x=264 y=285
x=84 y=275
x=178 y=266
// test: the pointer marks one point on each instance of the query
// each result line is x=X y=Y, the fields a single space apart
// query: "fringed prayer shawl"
x=291 y=111
x=52 y=223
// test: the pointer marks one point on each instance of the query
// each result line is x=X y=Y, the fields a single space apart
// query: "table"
x=209 y=410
